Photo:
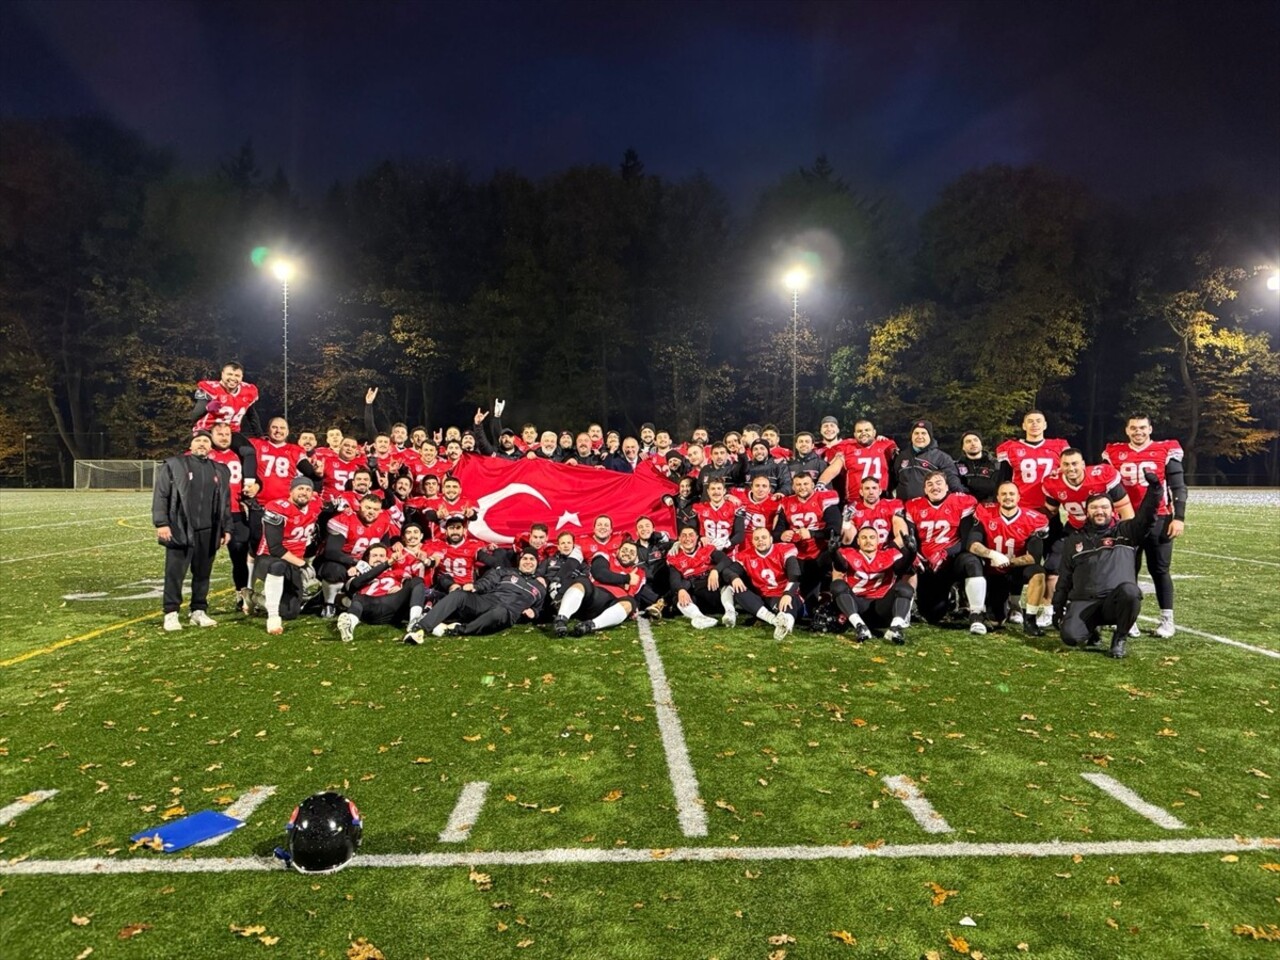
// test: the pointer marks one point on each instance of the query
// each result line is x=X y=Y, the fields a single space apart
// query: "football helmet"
x=323 y=833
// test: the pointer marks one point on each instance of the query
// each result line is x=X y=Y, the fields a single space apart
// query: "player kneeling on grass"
x=695 y=581
x=384 y=588
x=1011 y=540
x=765 y=581
x=287 y=527
x=502 y=597
x=869 y=581
x=606 y=600
x=1098 y=583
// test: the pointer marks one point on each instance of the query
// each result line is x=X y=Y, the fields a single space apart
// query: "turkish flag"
x=513 y=494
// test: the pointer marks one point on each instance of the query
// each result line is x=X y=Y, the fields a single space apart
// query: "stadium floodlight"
x=795 y=279
x=1273 y=281
x=284 y=271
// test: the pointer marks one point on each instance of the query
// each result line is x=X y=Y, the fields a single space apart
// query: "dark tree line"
x=613 y=294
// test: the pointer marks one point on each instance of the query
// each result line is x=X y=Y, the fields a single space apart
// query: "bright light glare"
x=1273 y=281
x=797 y=278
x=283 y=270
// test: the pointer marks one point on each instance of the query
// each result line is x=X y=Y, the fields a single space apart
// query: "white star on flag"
x=567 y=518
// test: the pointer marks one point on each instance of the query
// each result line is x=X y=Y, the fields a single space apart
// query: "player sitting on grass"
x=608 y=599
x=872 y=581
x=695 y=581
x=765 y=581
x=384 y=588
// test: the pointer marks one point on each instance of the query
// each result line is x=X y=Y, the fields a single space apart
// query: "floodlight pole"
x=284 y=289
x=795 y=351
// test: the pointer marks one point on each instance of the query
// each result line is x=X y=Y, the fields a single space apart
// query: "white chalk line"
x=904 y=789
x=25 y=803
x=1114 y=788
x=465 y=812
x=63 y=553
x=1218 y=556
x=240 y=809
x=614 y=855
x=75 y=523
x=690 y=809
x=1274 y=654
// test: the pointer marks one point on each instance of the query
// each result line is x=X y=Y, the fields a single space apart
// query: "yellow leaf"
x=940 y=894
x=249 y=931
x=482 y=880
x=1230 y=858
x=1268 y=931
x=555 y=809
x=422 y=760
x=148 y=843
x=1258 y=773
x=1113 y=881
x=80 y=831
x=502 y=927
x=527 y=941
x=473 y=738
x=269 y=941
x=174 y=812
x=958 y=944
x=84 y=953
x=660 y=853
x=79 y=921
x=1273 y=867
x=1111 y=922
x=611 y=796
x=362 y=949
x=1166 y=732
x=780 y=939
x=845 y=937
x=858 y=722
x=1024 y=947
x=132 y=930
x=779 y=954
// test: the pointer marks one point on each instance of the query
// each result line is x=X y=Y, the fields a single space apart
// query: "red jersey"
x=807 y=515
x=1132 y=464
x=938 y=524
x=277 y=466
x=839 y=446
x=589 y=546
x=359 y=536
x=232 y=406
x=383 y=585
x=1009 y=535
x=457 y=560
x=299 y=524
x=462 y=507
x=1102 y=478
x=768 y=573
x=622 y=589
x=716 y=522
x=871 y=577
x=691 y=566
x=1031 y=464
x=335 y=473
x=861 y=462
x=437 y=468
x=235 y=468
x=406 y=566
x=880 y=515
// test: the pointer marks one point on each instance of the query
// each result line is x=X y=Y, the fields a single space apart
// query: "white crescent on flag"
x=481 y=529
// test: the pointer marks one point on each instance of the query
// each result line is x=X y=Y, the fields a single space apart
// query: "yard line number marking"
x=614 y=855
x=904 y=789
x=1157 y=815
x=690 y=809
x=25 y=803
x=465 y=812
x=243 y=806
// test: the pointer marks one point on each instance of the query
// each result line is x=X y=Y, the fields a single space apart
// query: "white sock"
x=272 y=594
x=570 y=603
x=975 y=590
x=414 y=613
x=249 y=563
x=857 y=621
x=611 y=617
x=769 y=618
x=331 y=591
x=726 y=599
x=899 y=623
x=1032 y=610
x=690 y=610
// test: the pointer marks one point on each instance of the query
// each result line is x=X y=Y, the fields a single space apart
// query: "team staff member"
x=502 y=597
x=922 y=458
x=191 y=510
x=1098 y=581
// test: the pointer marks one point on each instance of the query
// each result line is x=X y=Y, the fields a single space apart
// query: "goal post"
x=115 y=474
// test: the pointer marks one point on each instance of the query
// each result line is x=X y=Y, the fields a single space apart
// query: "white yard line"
x=25 y=803
x=241 y=808
x=465 y=812
x=1219 y=556
x=1157 y=815
x=1274 y=654
x=690 y=809
x=521 y=858
x=75 y=523
x=904 y=789
x=63 y=553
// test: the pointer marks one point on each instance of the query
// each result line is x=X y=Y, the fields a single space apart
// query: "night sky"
x=902 y=96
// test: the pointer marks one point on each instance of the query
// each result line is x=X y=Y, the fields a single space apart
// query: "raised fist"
x=1151 y=477
x=371 y=395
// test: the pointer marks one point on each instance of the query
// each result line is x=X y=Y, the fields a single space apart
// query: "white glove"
x=998 y=560
x=498 y=406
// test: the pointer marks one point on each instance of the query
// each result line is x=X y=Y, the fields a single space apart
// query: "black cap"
x=527 y=552
x=923 y=425
x=964 y=436
x=301 y=482
x=826 y=420
x=507 y=432
x=646 y=426
x=455 y=518
x=760 y=443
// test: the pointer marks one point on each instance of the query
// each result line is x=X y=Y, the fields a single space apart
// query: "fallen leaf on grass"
x=940 y=894
x=250 y=931
x=958 y=944
x=1273 y=867
x=1111 y=922
x=79 y=921
x=482 y=880
x=174 y=812
x=132 y=930
x=362 y=949
x=1258 y=773
x=779 y=954
x=780 y=939
x=148 y=843
x=611 y=796
x=422 y=760
x=84 y=953
x=473 y=738
x=502 y=927
x=1230 y=858
x=269 y=941
x=1267 y=931
x=1024 y=947
x=845 y=937
x=1113 y=881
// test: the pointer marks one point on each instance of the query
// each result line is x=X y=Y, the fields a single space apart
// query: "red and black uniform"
x=590 y=547
x=820 y=516
x=878 y=515
x=723 y=526
x=610 y=583
x=238 y=546
x=216 y=404
x=755 y=515
x=387 y=593
x=769 y=576
x=1028 y=465
x=1018 y=534
x=869 y=460
x=1164 y=459
x=942 y=531
x=348 y=537
x=335 y=472
x=286 y=528
x=1100 y=479
x=875 y=587
x=455 y=563
x=689 y=571
x=277 y=466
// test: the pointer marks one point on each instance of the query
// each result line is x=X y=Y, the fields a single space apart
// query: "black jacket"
x=911 y=466
x=170 y=500
x=980 y=476
x=514 y=591
x=1097 y=560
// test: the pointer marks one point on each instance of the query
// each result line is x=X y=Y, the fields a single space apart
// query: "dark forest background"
x=610 y=294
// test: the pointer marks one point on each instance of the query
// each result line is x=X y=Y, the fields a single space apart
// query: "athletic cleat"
x=583 y=627
x=1118 y=646
x=1094 y=638
x=1015 y=617
x=786 y=623
x=275 y=626
x=976 y=626
x=896 y=635
x=414 y=637
x=1031 y=627
x=702 y=623
x=328 y=611
x=439 y=630
x=1045 y=619
x=347 y=627
x=1165 y=629
x=244 y=601
x=730 y=619
x=201 y=618
x=655 y=611
x=1134 y=631
x=861 y=633
x=561 y=627
x=171 y=622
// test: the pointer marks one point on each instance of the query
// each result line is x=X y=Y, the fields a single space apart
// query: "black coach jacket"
x=1096 y=561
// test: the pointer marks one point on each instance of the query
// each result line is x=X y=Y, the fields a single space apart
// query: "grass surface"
x=789 y=742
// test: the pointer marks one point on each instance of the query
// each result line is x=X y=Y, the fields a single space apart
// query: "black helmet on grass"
x=323 y=833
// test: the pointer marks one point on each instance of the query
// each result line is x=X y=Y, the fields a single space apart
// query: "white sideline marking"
x=243 y=806
x=25 y=803
x=690 y=809
x=63 y=553
x=1218 y=556
x=75 y=523
x=904 y=789
x=1275 y=654
x=465 y=812
x=1157 y=815
x=615 y=855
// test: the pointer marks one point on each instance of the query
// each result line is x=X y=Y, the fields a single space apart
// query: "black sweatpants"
x=476 y=612
x=1120 y=607
x=198 y=558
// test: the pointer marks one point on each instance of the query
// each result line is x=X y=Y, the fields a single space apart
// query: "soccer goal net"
x=115 y=474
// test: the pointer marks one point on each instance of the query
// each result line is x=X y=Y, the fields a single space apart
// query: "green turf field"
x=747 y=815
